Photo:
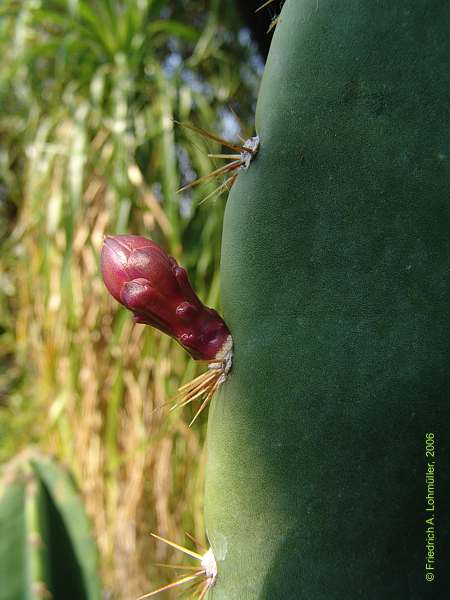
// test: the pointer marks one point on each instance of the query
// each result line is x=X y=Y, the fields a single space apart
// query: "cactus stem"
x=203 y=577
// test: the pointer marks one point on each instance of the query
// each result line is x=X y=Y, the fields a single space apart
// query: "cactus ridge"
x=334 y=284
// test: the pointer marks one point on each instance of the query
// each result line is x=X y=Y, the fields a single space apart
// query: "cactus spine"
x=46 y=549
x=335 y=290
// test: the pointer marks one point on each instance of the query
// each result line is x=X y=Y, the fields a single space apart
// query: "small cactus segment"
x=334 y=274
x=46 y=549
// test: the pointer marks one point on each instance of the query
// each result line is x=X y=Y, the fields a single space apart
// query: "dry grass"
x=102 y=385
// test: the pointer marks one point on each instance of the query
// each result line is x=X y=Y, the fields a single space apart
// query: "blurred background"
x=89 y=91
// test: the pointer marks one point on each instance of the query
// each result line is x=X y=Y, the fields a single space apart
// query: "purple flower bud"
x=142 y=277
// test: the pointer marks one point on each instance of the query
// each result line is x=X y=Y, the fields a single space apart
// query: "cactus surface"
x=46 y=548
x=335 y=289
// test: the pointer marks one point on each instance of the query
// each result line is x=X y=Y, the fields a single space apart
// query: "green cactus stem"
x=335 y=289
x=46 y=548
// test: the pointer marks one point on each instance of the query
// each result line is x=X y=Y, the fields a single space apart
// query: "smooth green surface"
x=335 y=288
x=25 y=573
x=12 y=541
x=45 y=542
x=38 y=567
x=72 y=550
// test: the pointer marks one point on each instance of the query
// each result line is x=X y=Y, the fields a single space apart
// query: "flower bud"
x=142 y=277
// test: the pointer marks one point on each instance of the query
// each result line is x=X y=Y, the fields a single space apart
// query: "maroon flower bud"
x=142 y=277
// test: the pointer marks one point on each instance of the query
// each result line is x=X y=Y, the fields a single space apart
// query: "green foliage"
x=335 y=288
x=46 y=545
